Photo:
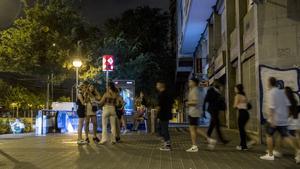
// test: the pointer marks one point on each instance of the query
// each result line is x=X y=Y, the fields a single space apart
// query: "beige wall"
x=278 y=34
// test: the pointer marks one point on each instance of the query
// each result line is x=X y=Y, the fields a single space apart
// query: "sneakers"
x=81 y=142
x=165 y=148
x=251 y=143
x=297 y=158
x=275 y=153
x=193 y=149
x=267 y=157
x=102 y=142
x=240 y=148
x=211 y=143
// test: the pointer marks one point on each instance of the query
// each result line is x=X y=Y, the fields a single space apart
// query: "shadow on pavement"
x=18 y=164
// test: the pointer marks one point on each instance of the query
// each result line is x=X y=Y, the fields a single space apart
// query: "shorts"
x=193 y=121
x=283 y=130
x=81 y=113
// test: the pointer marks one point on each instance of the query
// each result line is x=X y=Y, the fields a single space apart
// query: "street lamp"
x=77 y=64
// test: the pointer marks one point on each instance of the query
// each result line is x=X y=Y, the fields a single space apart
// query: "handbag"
x=249 y=106
x=94 y=108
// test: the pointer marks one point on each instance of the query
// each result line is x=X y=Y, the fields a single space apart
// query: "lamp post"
x=77 y=64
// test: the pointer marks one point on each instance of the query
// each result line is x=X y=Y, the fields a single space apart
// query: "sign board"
x=107 y=63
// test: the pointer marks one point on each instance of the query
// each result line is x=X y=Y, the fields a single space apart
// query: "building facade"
x=243 y=42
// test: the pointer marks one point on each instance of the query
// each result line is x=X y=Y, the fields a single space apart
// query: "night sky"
x=95 y=11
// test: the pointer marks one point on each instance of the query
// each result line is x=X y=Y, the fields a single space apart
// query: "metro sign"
x=108 y=63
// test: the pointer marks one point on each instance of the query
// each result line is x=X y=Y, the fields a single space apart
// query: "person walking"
x=194 y=111
x=241 y=104
x=92 y=98
x=216 y=105
x=109 y=101
x=165 y=103
x=294 y=117
x=81 y=111
x=277 y=121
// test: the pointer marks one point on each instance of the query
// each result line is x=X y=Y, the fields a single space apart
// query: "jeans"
x=109 y=112
x=242 y=121
x=164 y=130
x=215 y=123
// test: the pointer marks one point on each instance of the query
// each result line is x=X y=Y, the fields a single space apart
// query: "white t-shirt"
x=194 y=96
x=279 y=102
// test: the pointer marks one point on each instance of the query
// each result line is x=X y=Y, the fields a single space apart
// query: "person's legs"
x=270 y=132
x=242 y=121
x=118 y=128
x=270 y=145
x=288 y=139
x=218 y=129
x=80 y=126
x=94 y=121
x=165 y=131
x=212 y=124
x=113 y=124
x=104 y=124
x=86 y=126
x=193 y=134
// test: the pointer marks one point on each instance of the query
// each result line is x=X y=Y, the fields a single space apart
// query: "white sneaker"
x=241 y=149
x=193 y=149
x=81 y=142
x=297 y=158
x=251 y=143
x=267 y=157
x=212 y=141
x=275 y=153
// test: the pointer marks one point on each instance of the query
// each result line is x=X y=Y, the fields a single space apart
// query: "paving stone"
x=137 y=151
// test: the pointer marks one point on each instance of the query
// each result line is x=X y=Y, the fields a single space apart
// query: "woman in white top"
x=294 y=118
x=241 y=104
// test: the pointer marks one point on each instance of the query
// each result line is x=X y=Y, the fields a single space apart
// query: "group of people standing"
x=283 y=116
x=88 y=101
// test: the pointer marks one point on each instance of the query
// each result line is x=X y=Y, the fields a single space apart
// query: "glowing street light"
x=77 y=64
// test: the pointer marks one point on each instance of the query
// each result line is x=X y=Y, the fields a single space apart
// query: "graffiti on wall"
x=285 y=77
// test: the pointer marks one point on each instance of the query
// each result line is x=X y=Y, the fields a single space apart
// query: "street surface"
x=137 y=151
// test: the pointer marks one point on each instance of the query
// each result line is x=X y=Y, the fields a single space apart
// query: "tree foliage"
x=145 y=29
x=44 y=40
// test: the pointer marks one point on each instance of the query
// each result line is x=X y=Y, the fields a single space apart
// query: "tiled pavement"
x=138 y=151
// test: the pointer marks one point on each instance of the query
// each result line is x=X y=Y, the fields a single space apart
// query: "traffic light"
x=108 y=63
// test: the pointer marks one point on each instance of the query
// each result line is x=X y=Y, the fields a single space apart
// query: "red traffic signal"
x=108 y=63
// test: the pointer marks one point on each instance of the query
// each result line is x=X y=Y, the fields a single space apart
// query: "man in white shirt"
x=194 y=106
x=277 y=118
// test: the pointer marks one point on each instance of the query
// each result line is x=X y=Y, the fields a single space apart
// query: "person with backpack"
x=194 y=112
x=216 y=105
x=242 y=105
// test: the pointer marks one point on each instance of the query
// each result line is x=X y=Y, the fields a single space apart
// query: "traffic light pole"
x=107 y=75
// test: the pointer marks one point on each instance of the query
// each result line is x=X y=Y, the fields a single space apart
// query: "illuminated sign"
x=108 y=63
x=17 y=126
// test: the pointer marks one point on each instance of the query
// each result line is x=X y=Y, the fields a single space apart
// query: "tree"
x=147 y=29
x=44 y=40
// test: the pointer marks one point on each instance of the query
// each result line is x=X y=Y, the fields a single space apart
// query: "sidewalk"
x=138 y=151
